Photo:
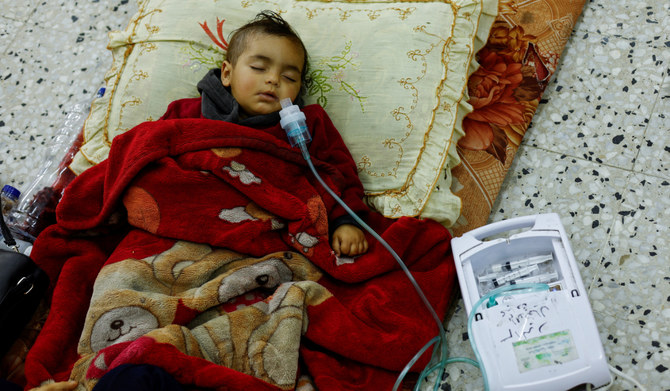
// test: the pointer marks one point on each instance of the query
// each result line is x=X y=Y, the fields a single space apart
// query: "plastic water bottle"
x=10 y=198
x=29 y=218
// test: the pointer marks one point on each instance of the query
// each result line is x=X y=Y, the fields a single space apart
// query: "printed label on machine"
x=551 y=349
x=530 y=322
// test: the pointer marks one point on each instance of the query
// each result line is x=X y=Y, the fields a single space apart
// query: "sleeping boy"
x=265 y=63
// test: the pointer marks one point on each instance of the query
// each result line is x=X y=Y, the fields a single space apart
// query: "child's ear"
x=226 y=71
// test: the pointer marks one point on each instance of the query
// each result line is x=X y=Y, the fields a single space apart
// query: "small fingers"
x=336 y=246
x=345 y=247
x=362 y=247
x=349 y=240
x=355 y=247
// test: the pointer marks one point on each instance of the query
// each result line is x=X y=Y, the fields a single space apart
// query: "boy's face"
x=268 y=70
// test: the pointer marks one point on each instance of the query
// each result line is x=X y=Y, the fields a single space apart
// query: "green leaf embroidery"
x=332 y=70
x=199 y=57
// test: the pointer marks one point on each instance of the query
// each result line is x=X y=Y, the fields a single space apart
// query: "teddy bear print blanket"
x=202 y=247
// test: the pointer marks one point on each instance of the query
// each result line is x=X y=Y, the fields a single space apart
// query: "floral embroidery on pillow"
x=334 y=69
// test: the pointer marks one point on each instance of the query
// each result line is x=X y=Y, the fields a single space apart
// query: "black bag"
x=22 y=287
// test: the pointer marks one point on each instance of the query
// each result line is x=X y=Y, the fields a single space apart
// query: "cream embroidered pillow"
x=391 y=75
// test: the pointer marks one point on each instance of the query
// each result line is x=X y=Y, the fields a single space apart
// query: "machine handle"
x=498 y=227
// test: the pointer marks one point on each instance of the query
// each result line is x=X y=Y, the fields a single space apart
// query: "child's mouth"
x=268 y=96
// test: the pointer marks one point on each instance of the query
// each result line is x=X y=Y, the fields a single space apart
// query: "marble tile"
x=40 y=81
x=654 y=157
x=598 y=105
x=634 y=282
x=645 y=20
x=630 y=296
x=638 y=351
x=583 y=193
x=86 y=15
x=19 y=10
x=8 y=28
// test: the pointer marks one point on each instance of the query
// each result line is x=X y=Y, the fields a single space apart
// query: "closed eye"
x=257 y=68
x=289 y=78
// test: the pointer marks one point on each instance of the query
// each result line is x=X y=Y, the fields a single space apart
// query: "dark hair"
x=270 y=23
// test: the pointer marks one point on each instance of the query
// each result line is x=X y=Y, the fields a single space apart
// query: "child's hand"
x=60 y=386
x=349 y=240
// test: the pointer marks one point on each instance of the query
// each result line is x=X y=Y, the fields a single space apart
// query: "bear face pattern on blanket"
x=155 y=245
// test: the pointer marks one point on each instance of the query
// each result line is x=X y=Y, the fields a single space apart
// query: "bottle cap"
x=11 y=191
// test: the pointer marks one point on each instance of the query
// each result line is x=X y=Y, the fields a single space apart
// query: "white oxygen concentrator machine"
x=532 y=339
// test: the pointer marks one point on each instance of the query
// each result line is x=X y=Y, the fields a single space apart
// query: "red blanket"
x=202 y=247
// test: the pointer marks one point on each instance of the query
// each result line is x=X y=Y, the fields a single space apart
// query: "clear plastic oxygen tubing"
x=491 y=298
x=293 y=122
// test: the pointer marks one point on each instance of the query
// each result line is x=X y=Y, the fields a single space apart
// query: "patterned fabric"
x=516 y=64
x=214 y=212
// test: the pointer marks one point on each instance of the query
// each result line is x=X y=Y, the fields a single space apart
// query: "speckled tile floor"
x=597 y=153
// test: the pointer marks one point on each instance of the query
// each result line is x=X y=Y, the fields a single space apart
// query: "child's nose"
x=272 y=78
